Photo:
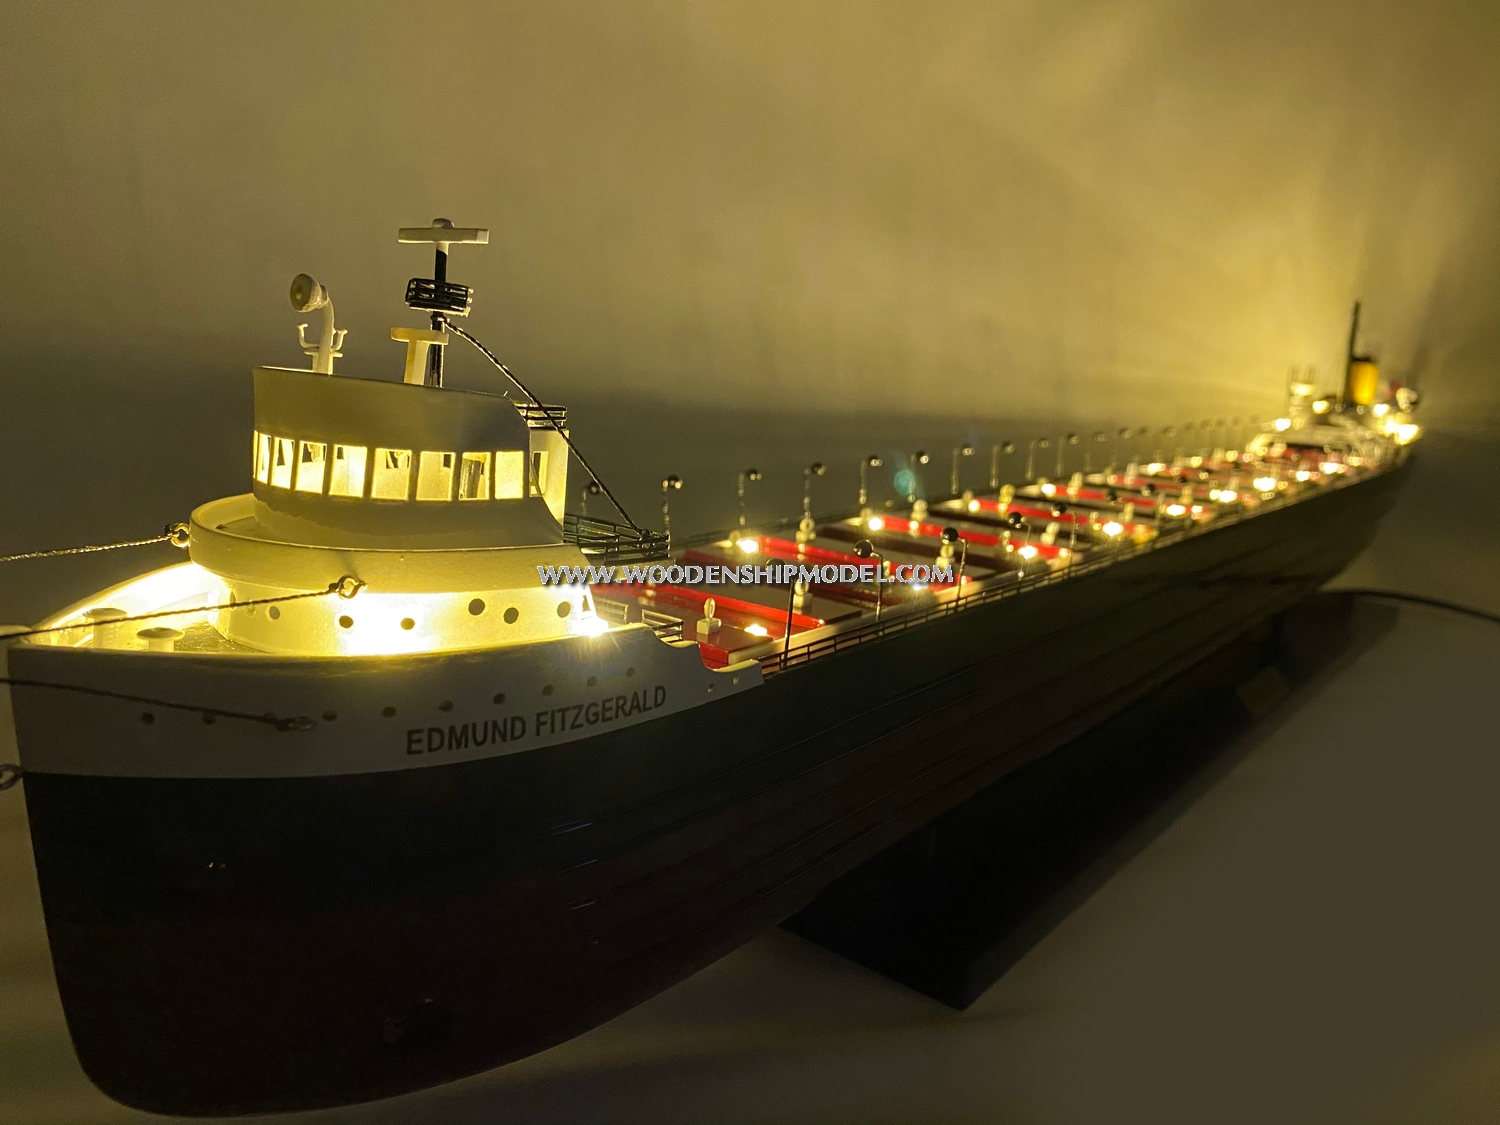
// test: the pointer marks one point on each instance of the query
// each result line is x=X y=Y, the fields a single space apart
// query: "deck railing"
x=604 y=542
x=542 y=417
x=992 y=590
x=664 y=625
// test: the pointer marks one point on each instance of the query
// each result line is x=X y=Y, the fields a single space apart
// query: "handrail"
x=543 y=416
x=665 y=626
x=608 y=542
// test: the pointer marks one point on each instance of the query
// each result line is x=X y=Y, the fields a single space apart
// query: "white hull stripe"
x=370 y=715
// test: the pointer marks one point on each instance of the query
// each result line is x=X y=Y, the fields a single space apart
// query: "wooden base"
x=950 y=908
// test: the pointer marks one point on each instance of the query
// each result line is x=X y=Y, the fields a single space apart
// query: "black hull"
x=227 y=946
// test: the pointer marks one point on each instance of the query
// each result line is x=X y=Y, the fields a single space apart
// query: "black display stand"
x=950 y=908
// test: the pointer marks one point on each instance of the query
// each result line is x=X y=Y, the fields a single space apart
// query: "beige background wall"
x=1133 y=209
x=758 y=233
x=731 y=235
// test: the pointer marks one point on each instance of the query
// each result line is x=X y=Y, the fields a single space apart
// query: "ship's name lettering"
x=596 y=711
x=514 y=728
x=465 y=736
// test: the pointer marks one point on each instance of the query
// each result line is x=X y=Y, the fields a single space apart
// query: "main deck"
x=993 y=546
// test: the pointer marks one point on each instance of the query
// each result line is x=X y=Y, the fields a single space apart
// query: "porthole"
x=148 y=718
x=446 y=705
x=209 y=718
x=499 y=697
x=346 y=622
x=329 y=716
x=274 y=613
x=564 y=608
x=547 y=690
x=511 y=615
x=630 y=671
x=476 y=607
x=593 y=680
x=389 y=712
x=408 y=624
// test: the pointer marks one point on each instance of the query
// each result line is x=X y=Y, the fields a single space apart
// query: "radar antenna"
x=436 y=295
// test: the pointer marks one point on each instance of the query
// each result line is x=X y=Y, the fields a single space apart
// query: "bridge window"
x=435 y=476
x=312 y=466
x=474 y=477
x=263 y=458
x=510 y=474
x=539 y=472
x=392 y=476
x=348 y=478
x=282 y=461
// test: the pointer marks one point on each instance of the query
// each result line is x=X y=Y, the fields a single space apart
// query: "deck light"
x=807 y=529
x=964 y=450
x=912 y=461
x=307 y=295
x=748 y=476
x=669 y=485
x=591 y=625
x=1062 y=448
x=870 y=462
x=1031 y=447
x=864 y=549
x=1006 y=447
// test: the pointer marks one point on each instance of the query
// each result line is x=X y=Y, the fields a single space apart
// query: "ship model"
x=352 y=802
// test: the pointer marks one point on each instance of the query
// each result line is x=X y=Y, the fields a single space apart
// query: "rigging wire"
x=296 y=723
x=175 y=534
x=346 y=587
x=11 y=772
x=489 y=355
